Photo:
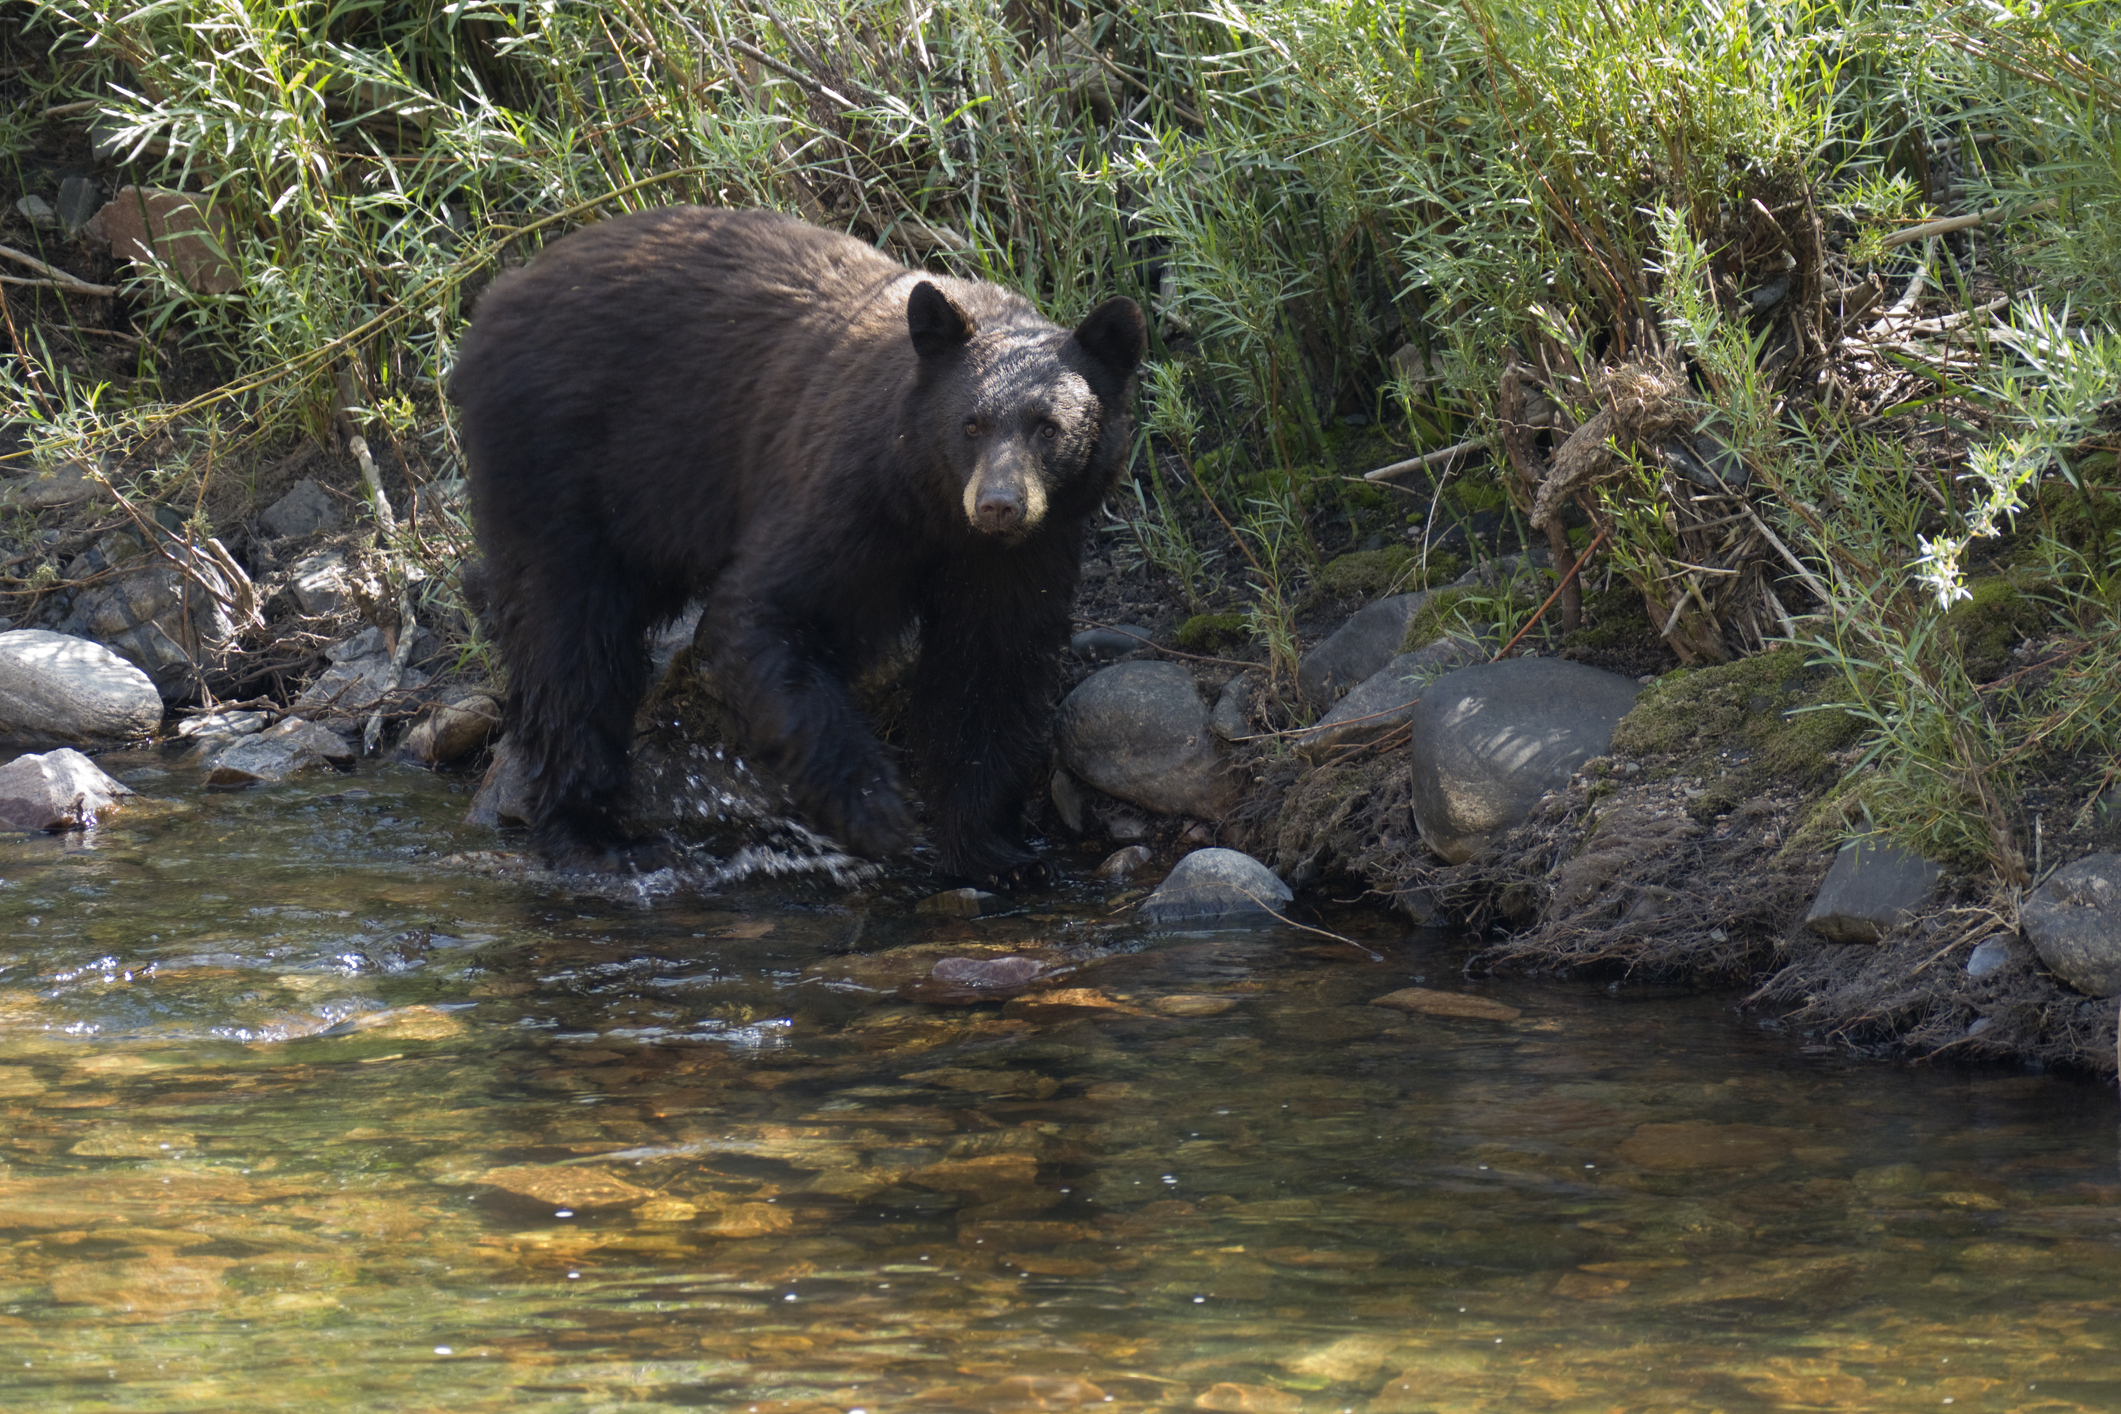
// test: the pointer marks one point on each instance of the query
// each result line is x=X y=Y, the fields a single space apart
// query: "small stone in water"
x=1428 y=1002
x=1121 y=864
x=985 y=971
x=960 y=903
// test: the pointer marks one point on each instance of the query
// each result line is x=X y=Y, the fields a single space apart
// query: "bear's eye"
x=1049 y=430
x=972 y=427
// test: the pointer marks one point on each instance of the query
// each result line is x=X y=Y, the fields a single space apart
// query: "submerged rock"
x=962 y=903
x=1489 y=741
x=61 y=689
x=1139 y=731
x=1120 y=865
x=503 y=797
x=60 y=790
x=2074 y=923
x=1870 y=888
x=274 y=755
x=1215 y=883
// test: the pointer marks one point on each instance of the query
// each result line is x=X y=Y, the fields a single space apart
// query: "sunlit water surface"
x=298 y=1112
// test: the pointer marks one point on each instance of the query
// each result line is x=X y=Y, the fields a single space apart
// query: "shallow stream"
x=297 y=1110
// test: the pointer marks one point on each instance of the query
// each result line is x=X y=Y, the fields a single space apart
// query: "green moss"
x=1746 y=719
x=1437 y=616
x=1614 y=618
x=1367 y=574
x=1211 y=633
x=1988 y=625
x=1474 y=496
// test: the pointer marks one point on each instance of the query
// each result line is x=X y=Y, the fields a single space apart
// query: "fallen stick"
x=52 y=273
x=1946 y=225
x=1386 y=473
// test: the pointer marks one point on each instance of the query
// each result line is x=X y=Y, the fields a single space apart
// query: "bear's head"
x=1030 y=420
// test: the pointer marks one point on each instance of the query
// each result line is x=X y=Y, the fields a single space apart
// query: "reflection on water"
x=294 y=1112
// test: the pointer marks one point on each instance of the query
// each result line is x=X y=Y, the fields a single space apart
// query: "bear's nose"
x=999 y=509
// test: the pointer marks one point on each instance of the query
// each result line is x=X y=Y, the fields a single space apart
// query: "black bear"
x=827 y=448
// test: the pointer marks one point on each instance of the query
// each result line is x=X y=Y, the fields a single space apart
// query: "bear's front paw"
x=997 y=865
x=872 y=821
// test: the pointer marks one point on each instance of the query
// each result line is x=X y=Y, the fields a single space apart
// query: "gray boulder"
x=1358 y=649
x=1386 y=699
x=349 y=690
x=2074 y=923
x=59 y=485
x=60 y=790
x=321 y=583
x=1215 y=883
x=57 y=689
x=275 y=754
x=174 y=610
x=1139 y=731
x=306 y=509
x=1489 y=741
x=1870 y=888
x=1115 y=642
x=1232 y=717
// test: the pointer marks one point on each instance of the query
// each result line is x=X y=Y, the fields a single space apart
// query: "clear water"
x=297 y=1111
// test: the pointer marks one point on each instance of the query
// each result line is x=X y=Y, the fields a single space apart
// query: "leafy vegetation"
x=1642 y=256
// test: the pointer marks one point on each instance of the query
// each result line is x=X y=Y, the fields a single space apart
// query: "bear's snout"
x=1001 y=499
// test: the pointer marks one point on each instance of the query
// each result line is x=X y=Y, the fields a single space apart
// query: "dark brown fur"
x=827 y=447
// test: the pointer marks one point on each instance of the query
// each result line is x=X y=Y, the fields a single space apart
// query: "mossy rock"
x=1368 y=574
x=1474 y=496
x=1997 y=617
x=1211 y=633
x=1470 y=612
x=1746 y=719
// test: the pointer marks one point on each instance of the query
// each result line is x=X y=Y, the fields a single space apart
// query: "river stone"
x=79 y=197
x=962 y=903
x=182 y=230
x=1358 y=649
x=1232 y=718
x=1139 y=731
x=275 y=754
x=1068 y=801
x=59 y=485
x=2074 y=923
x=454 y=729
x=55 y=688
x=1990 y=956
x=1115 y=642
x=1489 y=741
x=172 y=611
x=321 y=583
x=1215 y=883
x=347 y=690
x=60 y=790
x=304 y=510
x=1870 y=888
x=1385 y=701
x=1121 y=865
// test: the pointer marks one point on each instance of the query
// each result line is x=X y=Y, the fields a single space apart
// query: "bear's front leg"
x=991 y=633
x=792 y=698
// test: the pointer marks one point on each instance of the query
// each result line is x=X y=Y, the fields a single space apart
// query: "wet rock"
x=1120 y=865
x=173 y=610
x=503 y=796
x=274 y=755
x=79 y=197
x=565 y=1185
x=2074 y=922
x=1489 y=741
x=60 y=790
x=1248 y=1399
x=1358 y=649
x=1033 y=1392
x=306 y=509
x=147 y=1286
x=178 y=229
x=1990 y=956
x=321 y=583
x=1192 y=1004
x=1385 y=701
x=969 y=981
x=1068 y=801
x=61 y=484
x=961 y=903
x=453 y=729
x=38 y=212
x=1695 y=1145
x=1424 y=1001
x=1066 y=1004
x=1139 y=731
x=57 y=688
x=1870 y=888
x=1115 y=642
x=1213 y=884
x=215 y=732
x=1232 y=717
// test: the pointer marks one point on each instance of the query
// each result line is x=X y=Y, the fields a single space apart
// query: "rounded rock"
x=2074 y=922
x=1489 y=741
x=1138 y=731
x=56 y=689
x=1215 y=883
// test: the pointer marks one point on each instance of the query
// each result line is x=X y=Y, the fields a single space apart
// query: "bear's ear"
x=1114 y=335
x=937 y=325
